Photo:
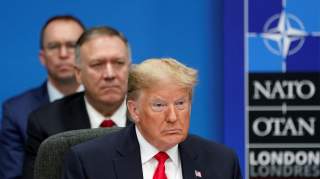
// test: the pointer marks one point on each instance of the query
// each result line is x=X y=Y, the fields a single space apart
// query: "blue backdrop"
x=234 y=114
x=188 y=30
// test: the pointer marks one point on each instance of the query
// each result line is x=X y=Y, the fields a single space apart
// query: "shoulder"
x=216 y=159
x=112 y=144
x=101 y=150
x=66 y=101
x=28 y=97
x=60 y=105
x=58 y=114
x=208 y=148
x=105 y=143
x=19 y=107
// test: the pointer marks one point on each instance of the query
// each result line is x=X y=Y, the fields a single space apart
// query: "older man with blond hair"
x=157 y=145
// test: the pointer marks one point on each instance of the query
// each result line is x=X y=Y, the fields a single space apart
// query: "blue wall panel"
x=234 y=134
x=187 y=30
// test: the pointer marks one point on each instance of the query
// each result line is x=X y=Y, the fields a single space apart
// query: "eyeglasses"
x=55 y=47
x=158 y=105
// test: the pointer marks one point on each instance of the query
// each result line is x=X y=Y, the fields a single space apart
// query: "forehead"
x=62 y=30
x=168 y=92
x=104 y=46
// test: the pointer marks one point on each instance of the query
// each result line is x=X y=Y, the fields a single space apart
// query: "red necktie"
x=107 y=123
x=160 y=170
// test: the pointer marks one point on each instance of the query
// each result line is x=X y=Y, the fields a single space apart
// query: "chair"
x=49 y=160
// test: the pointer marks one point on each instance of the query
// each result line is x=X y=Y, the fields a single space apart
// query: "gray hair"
x=99 y=31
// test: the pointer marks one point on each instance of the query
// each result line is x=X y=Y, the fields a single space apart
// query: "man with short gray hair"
x=102 y=67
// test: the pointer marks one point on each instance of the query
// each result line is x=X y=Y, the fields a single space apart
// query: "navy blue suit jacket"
x=13 y=132
x=68 y=113
x=117 y=156
x=62 y=115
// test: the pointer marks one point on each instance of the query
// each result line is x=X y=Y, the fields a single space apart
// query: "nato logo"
x=283 y=36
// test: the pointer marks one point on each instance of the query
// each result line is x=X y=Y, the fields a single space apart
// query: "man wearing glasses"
x=57 y=45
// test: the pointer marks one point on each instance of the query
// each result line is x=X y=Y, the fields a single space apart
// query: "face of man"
x=104 y=70
x=57 y=55
x=162 y=115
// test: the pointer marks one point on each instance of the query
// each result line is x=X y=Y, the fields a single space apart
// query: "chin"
x=111 y=93
x=67 y=78
x=66 y=72
x=112 y=99
x=172 y=141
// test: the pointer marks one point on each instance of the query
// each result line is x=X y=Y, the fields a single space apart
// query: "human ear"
x=133 y=110
x=77 y=72
x=42 y=58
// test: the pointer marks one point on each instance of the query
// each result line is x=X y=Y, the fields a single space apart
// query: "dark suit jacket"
x=117 y=156
x=13 y=132
x=62 y=115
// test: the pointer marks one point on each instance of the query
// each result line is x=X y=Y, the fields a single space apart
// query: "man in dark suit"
x=102 y=66
x=157 y=145
x=58 y=36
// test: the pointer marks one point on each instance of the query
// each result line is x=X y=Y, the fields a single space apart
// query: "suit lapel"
x=128 y=163
x=42 y=95
x=78 y=117
x=129 y=121
x=75 y=111
x=189 y=161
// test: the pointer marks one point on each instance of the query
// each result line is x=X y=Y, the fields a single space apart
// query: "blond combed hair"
x=152 y=72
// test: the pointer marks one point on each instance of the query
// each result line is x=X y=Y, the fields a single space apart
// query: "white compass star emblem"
x=284 y=34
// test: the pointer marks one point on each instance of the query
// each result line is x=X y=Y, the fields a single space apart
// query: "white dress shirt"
x=149 y=163
x=55 y=94
x=119 y=117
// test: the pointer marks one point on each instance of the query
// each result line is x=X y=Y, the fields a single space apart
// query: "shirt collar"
x=148 y=151
x=55 y=94
x=119 y=117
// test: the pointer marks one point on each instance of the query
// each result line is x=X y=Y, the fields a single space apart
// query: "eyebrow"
x=158 y=98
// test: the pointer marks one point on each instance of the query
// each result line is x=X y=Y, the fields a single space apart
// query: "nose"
x=109 y=72
x=63 y=52
x=172 y=114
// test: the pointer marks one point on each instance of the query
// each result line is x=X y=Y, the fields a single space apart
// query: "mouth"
x=172 y=131
x=110 y=88
x=65 y=67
